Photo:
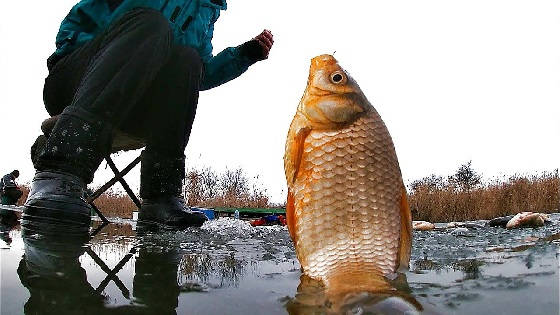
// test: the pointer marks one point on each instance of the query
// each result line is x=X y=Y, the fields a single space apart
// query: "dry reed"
x=232 y=188
x=202 y=188
x=437 y=200
x=25 y=190
x=462 y=196
x=114 y=204
x=111 y=203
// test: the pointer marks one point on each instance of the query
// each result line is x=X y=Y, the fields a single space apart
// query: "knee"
x=189 y=60
x=153 y=20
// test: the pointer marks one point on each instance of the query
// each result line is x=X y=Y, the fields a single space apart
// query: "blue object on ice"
x=271 y=218
x=208 y=212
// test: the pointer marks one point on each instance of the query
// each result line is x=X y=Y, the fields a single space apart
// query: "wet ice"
x=230 y=267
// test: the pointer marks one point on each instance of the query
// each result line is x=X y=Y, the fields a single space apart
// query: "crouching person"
x=9 y=190
x=136 y=66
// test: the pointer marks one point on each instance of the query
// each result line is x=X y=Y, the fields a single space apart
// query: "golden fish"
x=347 y=209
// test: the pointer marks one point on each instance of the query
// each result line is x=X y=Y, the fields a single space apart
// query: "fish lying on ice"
x=347 y=207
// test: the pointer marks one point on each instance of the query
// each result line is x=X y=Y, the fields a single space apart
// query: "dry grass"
x=462 y=196
x=114 y=204
x=436 y=200
x=23 y=198
x=202 y=188
x=232 y=188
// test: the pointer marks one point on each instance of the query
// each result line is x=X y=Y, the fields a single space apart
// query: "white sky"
x=453 y=80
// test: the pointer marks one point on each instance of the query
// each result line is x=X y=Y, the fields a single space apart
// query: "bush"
x=436 y=200
x=232 y=188
x=459 y=197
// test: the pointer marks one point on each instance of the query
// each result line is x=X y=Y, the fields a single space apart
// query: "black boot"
x=65 y=165
x=51 y=270
x=161 y=180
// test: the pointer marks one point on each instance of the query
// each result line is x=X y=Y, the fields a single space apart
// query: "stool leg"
x=101 y=216
x=119 y=177
x=122 y=181
x=115 y=179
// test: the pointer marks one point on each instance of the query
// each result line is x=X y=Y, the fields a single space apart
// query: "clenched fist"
x=259 y=47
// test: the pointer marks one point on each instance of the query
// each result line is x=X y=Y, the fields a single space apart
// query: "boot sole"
x=148 y=214
x=46 y=218
x=152 y=226
x=160 y=225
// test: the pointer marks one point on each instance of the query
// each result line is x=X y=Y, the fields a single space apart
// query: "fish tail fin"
x=358 y=279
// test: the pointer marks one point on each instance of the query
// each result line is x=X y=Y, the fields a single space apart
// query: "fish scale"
x=347 y=195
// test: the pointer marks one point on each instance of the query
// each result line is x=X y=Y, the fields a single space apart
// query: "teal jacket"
x=192 y=23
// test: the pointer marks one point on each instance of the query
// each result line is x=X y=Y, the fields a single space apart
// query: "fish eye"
x=337 y=78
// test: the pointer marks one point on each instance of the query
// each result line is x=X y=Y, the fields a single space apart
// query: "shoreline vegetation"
x=462 y=196
x=466 y=196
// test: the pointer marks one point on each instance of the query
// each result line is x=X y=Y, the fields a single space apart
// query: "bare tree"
x=232 y=188
x=430 y=183
x=466 y=178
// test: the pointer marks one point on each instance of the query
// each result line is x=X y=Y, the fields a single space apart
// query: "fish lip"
x=315 y=91
x=321 y=92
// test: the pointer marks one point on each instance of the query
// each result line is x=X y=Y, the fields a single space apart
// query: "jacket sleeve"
x=83 y=22
x=224 y=67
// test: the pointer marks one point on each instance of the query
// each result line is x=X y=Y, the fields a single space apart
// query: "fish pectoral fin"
x=405 y=241
x=294 y=153
x=290 y=215
x=299 y=130
x=300 y=140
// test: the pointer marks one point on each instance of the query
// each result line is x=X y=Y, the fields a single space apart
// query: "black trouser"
x=12 y=195
x=133 y=78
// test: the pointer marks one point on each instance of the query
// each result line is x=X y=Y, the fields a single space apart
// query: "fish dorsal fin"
x=405 y=241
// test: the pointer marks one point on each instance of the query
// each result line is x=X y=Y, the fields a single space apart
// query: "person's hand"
x=265 y=40
x=259 y=47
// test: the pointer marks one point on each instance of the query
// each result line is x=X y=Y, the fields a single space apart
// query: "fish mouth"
x=315 y=91
x=318 y=92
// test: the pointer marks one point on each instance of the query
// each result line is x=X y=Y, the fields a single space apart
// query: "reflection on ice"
x=229 y=267
x=392 y=297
